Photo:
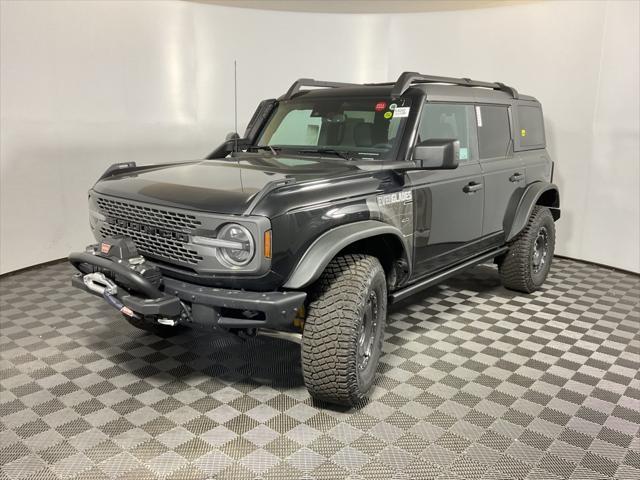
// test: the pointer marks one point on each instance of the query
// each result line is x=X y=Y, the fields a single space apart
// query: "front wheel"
x=344 y=329
x=525 y=266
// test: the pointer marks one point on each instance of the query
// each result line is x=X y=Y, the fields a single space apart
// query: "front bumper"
x=189 y=303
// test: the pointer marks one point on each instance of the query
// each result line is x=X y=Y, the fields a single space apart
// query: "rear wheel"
x=344 y=329
x=152 y=326
x=525 y=266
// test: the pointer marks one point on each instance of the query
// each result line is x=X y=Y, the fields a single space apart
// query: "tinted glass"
x=494 y=134
x=447 y=121
x=531 y=128
x=297 y=127
x=360 y=127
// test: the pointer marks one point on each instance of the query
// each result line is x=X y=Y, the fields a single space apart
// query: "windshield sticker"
x=401 y=112
x=388 y=115
x=380 y=106
x=523 y=133
x=392 y=107
x=479 y=115
x=464 y=153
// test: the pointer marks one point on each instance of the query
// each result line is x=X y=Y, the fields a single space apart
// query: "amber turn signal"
x=267 y=244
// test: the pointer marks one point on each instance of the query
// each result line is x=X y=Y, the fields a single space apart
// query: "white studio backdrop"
x=87 y=84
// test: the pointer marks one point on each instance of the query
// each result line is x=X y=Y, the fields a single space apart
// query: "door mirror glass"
x=437 y=154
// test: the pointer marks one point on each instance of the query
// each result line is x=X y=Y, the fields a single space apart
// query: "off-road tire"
x=164 y=331
x=516 y=268
x=332 y=329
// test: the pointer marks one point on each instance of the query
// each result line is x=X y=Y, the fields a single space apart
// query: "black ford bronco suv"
x=338 y=200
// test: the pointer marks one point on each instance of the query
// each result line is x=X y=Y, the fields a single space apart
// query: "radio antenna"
x=235 y=101
x=235 y=116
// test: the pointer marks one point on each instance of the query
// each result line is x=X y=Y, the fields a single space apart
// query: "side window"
x=530 y=127
x=494 y=132
x=441 y=121
x=297 y=125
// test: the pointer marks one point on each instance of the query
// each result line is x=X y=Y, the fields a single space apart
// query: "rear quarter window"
x=530 y=127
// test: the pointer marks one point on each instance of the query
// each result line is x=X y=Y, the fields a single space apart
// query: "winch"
x=133 y=274
x=123 y=250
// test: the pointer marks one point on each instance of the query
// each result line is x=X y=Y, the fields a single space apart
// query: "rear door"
x=448 y=203
x=503 y=172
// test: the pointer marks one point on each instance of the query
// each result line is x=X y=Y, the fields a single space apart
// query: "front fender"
x=330 y=243
x=517 y=218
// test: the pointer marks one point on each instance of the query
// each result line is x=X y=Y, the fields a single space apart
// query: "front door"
x=448 y=204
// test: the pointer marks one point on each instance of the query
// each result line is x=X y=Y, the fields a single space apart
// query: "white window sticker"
x=464 y=153
x=479 y=115
x=401 y=112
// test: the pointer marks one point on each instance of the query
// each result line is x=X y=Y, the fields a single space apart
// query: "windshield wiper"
x=332 y=151
x=274 y=150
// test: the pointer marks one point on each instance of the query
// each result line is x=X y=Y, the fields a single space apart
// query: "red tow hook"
x=118 y=305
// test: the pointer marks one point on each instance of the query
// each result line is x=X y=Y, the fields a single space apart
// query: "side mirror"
x=232 y=136
x=437 y=154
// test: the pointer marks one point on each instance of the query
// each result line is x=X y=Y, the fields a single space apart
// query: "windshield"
x=359 y=127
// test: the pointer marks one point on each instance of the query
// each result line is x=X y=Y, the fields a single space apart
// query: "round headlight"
x=241 y=246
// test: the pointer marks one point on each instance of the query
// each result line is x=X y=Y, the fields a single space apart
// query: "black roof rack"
x=310 y=82
x=406 y=79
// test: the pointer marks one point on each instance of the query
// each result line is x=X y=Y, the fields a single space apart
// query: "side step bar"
x=440 y=276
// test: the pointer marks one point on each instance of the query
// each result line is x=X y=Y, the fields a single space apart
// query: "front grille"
x=147 y=215
x=153 y=245
x=165 y=233
x=132 y=220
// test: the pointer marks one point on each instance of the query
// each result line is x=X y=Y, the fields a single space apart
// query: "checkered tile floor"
x=476 y=382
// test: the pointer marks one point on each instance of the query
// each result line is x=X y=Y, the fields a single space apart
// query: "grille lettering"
x=148 y=229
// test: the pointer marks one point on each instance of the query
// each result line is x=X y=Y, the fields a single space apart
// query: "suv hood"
x=220 y=186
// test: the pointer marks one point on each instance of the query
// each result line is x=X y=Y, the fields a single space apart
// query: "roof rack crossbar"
x=406 y=79
x=310 y=82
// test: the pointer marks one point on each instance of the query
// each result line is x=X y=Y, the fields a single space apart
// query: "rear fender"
x=538 y=193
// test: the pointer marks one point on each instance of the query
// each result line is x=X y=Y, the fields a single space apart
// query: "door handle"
x=516 y=177
x=472 y=187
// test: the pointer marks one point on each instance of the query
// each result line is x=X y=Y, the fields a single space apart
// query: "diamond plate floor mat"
x=475 y=382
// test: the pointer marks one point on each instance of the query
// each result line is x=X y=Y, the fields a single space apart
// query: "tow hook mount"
x=99 y=283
